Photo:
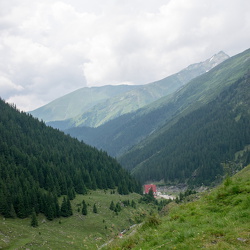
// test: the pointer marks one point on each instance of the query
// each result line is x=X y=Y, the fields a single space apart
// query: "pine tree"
x=34 y=222
x=112 y=206
x=95 y=209
x=69 y=208
x=64 y=210
x=84 y=208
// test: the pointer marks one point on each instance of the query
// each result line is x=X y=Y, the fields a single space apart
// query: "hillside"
x=195 y=147
x=218 y=220
x=119 y=135
x=78 y=102
x=38 y=164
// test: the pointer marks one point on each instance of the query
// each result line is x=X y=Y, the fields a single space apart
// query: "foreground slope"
x=38 y=164
x=218 y=220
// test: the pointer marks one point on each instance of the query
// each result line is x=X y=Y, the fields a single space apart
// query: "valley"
x=79 y=185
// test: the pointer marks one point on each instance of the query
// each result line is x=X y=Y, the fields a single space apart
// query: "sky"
x=52 y=47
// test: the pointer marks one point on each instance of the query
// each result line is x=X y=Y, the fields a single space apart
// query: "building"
x=148 y=187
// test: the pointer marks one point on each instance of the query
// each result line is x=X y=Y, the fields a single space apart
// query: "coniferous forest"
x=38 y=164
x=201 y=144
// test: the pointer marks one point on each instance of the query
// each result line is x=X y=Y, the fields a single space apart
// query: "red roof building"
x=148 y=187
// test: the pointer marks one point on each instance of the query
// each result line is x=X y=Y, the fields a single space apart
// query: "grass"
x=77 y=231
x=220 y=219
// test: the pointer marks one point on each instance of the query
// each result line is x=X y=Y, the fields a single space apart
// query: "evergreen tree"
x=34 y=222
x=112 y=206
x=95 y=209
x=84 y=208
x=64 y=208
x=69 y=208
x=118 y=207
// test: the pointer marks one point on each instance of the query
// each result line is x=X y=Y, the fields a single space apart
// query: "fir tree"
x=34 y=222
x=95 y=209
x=112 y=206
x=64 y=209
x=84 y=208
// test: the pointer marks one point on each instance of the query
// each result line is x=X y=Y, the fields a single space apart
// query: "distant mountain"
x=144 y=95
x=38 y=164
x=119 y=135
x=93 y=107
x=77 y=102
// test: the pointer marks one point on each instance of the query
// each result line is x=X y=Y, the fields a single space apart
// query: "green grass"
x=77 y=231
x=220 y=219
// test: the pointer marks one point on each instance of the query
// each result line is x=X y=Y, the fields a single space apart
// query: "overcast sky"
x=50 y=48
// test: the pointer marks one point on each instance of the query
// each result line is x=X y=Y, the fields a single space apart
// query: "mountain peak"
x=217 y=59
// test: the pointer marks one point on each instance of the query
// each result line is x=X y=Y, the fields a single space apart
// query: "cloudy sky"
x=50 y=48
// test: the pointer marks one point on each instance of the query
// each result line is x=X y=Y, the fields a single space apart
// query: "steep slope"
x=195 y=147
x=218 y=220
x=77 y=102
x=119 y=135
x=38 y=164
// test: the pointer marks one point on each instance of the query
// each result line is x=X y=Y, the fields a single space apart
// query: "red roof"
x=148 y=187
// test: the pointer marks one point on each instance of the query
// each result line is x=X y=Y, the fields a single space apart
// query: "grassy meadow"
x=78 y=231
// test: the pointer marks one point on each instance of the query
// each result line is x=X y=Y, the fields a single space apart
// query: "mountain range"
x=95 y=106
x=183 y=136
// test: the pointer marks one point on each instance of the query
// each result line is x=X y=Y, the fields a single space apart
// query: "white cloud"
x=7 y=86
x=49 y=48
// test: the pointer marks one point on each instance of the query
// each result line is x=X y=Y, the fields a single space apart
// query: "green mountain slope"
x=119 y=135
x=77 y=102
x=195 y=147
x=218 y=220
x=38 y=164
x=139 y=97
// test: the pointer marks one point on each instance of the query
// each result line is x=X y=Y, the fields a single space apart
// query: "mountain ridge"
x=117 y=104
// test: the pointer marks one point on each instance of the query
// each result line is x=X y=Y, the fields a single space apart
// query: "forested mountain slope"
x=119 y=135
x=196 y=148
x=38 y=164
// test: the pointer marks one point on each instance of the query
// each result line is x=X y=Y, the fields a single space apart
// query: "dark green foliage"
x=149 y=198
x=84 y=208
x=66 y=209
x=112 y=206
x=94 y=209
x=118 y=207
x=34 y=222
x=38 y=164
